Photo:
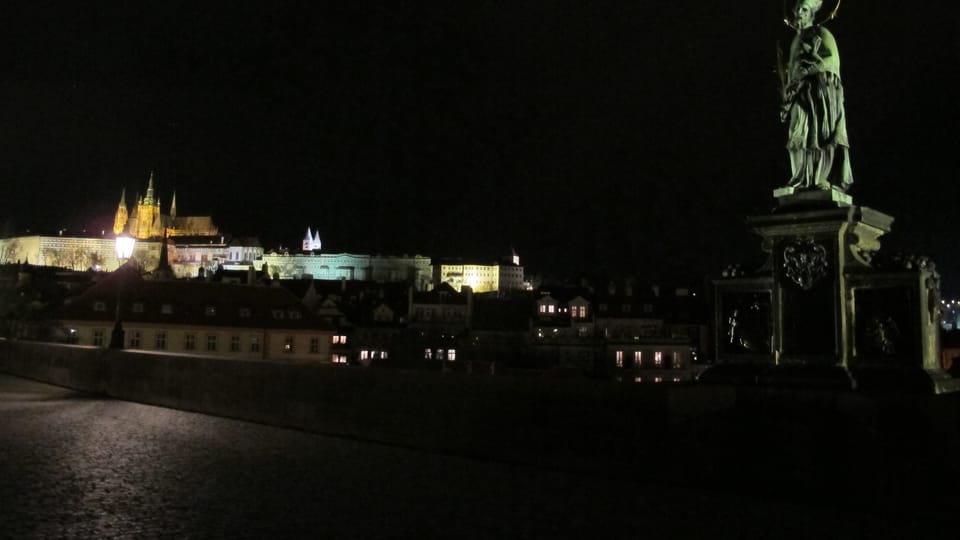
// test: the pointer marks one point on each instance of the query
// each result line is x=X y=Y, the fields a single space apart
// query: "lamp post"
x=124 y=247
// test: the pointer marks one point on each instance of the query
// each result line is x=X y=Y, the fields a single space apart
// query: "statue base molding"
x=828 y=309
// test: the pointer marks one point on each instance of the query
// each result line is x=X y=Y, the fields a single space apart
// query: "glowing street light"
x=124 y=246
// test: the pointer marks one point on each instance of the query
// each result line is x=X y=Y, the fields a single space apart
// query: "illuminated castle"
x=146 y=220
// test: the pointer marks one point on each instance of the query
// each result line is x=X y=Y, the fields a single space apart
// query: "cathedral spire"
x=120 y=219
x=173 y=206
x=149 y=198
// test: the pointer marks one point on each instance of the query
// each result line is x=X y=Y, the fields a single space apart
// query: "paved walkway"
x=73 y=466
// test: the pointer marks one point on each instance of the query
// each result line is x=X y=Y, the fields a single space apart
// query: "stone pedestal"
x=827 y=309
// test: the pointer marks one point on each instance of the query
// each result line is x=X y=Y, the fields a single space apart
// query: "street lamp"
x=124 y=247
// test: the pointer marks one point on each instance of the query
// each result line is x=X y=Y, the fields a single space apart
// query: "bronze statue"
x=813 y=104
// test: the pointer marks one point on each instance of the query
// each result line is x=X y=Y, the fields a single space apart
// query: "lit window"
x=189 y=342
x=339 y=359
x=161 y=341
x=451 y=354
x=314 y=345
x=166 y=309
x=210 y=311
x=99 y=306
x=364 y=355
x=543 y=308
x=551 y=308
x=135 y=340
x=619 y=358
x=212 y=342
x=638 y=357
x=658 y=379
x=428 y=354
x=137 y=307
x=254 y=343
x=234 y=343
x=676 y=379
x=658 y=358
x=383 y=355
x=98 y=337
x=288 y=344
x=339 y=340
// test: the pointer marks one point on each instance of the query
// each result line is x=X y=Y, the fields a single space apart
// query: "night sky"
x=614 y=138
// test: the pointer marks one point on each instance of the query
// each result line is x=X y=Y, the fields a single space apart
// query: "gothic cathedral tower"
x=120 y=220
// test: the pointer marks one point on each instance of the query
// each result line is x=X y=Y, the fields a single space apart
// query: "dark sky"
x=616 y=137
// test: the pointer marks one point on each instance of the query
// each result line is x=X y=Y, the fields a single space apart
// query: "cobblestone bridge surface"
x=76 y=466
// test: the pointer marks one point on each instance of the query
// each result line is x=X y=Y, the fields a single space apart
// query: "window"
x=676 y=360
x=277 y=313
x=551 y=308
x=293 y=314
x=244 y=313
x=210 y=311
x=314 y=345
x=234 y=343
x=135 y=339
x=99 y=305
x=137 y=307
x=212 y=342
x=451 y=354
x=543 y=308
x=626 y=308
x=364 y=355
x=428 y=354
x=603 y=308
x=619 y=358
x=339 y=340
x=166 y=309
x=578 y=312
x=638 y=358
x=254 y=343
x=160 y=343
x=339 y=359
x=288 y=344
x=98 y=337
x=658 y=358
x=189 y=342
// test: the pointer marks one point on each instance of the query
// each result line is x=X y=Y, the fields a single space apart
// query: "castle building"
x=147 y=221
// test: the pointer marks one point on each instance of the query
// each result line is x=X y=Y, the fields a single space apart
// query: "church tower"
x=120 y=220
x=149 y=222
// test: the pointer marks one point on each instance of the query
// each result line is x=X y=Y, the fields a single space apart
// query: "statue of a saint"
x=813 y=105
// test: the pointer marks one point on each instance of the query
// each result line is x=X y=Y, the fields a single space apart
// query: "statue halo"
x=787 y=19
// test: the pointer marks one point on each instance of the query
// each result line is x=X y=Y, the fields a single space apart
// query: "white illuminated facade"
x=479 y=277
x=74 y=253
x=414 y=269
